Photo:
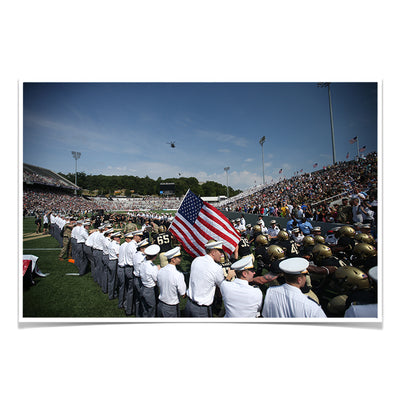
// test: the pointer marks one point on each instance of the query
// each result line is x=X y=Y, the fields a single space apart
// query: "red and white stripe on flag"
x=196 y=222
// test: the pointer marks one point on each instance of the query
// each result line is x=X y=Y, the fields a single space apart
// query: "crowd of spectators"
x=44 y=179
x=313 y=195
x=41 y=200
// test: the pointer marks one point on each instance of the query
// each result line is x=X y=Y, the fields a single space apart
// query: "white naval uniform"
x=287 y=301
x=240 y=299
x=273 y=231
x=205 y=275
x=148 y=276
x=171 y=284
x=138 y=258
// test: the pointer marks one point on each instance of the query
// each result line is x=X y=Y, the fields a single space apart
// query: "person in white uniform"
x=240 y=299
x=205 y=276
x=81 y=237
x=273 y=230
x=120 y=270
x=129 y=290
x=287 y=300
x=138 y=258
x=113 y=253
x=171 y=284
x=148 y=276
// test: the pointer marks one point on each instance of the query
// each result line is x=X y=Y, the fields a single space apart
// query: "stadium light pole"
x=76 y=155
x=328 y=85
x=226 y=169
x=262 y=141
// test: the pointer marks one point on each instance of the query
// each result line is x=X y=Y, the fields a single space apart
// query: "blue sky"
x=124 y=128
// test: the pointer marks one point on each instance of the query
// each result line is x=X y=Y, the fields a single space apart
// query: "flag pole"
x=358 y=150
x=180 y=206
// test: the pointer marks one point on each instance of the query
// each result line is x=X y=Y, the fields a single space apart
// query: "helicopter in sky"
x=172 y=144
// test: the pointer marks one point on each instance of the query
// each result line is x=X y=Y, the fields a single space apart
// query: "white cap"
x=212 y=244
x=143 y=243
x=273 y=221
x=316 y=228
x=139 y=232
x=373 y=273
x=109 y=230
x=129 y=235
x=175 y=252
x=294 y=265
x=86 y=224
x=244 y=263
x=152 y=250
x=116 y=234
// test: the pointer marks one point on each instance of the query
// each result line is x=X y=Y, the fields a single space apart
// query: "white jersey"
x=287 y=301
x=240 y=299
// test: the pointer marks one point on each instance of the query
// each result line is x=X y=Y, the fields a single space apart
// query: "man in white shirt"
x=273 y=230
x=113 y=252
x=287 y=300
x=148 y=276
x=240 y=299
x=205 y=276
x=129 y=284
x=81 y=237
x=98 y=253
x=138 y=258
x=120 y=270
x=171 y=284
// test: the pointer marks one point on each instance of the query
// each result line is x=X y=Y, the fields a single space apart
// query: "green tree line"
x=106 y=185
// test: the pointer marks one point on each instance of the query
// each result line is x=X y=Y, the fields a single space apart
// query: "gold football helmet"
x=262 y=240
x=349 y=278
x=364 y=250
x=283 y=235
x=321 y=251
x=161 y=229
x=275 y=252
x=319 y=239
x=256 y=228
x=337 y=306
x=347 y=231
x=308 y=241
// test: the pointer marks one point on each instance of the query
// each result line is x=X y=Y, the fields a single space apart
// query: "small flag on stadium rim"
x=362 y=149
x=353 y=140
x=280 y=171
x=196 y=222
x=301 y=170
x=315 y=165
x=347 y=155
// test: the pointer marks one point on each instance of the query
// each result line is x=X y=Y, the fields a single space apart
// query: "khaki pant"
x=66 y=249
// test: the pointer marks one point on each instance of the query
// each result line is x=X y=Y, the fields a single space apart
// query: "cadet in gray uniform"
x=148 y=275
x=112 y=264
x=129 y=290
x=138 y=258
x=120 y=270
x=171 y=284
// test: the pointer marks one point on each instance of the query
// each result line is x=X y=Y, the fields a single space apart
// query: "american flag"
x=280 y=171
x=353 y=140
x=315 y=165
x=301 y=170
x=347 y=155
x=362 y=149
x=196 y=222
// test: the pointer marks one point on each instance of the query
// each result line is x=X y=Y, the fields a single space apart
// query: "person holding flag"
x=205 y=275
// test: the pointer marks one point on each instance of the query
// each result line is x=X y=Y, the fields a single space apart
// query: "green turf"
x=61 y=296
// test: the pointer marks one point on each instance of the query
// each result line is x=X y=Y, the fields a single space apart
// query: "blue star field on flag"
x=191 y=207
